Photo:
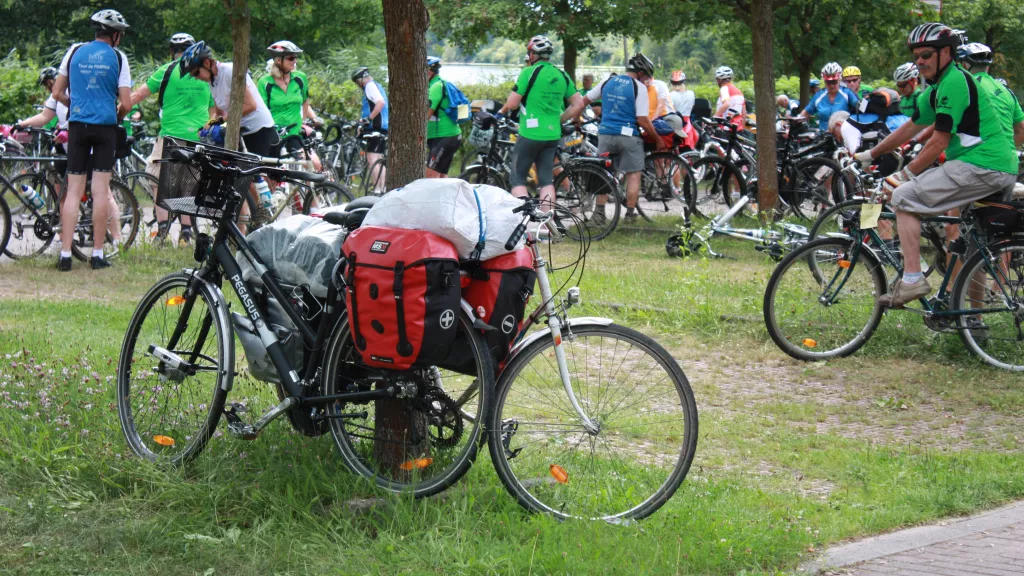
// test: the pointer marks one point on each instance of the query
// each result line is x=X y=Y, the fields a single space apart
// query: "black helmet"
x=640 y=63
x=193 y=57
x=48 y=73
x=360 y=73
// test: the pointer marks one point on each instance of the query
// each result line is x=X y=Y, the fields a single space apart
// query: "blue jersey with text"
x=92 y=75
x=618 y=100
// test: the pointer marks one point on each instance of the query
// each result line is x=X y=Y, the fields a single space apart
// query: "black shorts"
x=262 y=141
x=91 y=142
x=290 y=146
x=527 y=152
x=378 y=144
x=441 y=152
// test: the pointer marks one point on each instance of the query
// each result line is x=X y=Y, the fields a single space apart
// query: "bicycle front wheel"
x=640 y=400
x=167 y=413
x=821 y=300
x=419 y=445
x=995 y=288
x=325 y=195
x=480 y=174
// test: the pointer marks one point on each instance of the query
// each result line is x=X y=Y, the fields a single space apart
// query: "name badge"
x=532 y=123
x=627 y=131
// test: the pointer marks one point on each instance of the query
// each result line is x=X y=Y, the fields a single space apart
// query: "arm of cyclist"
x=39 y=120
x=936 y=145
x=59 y=90
x=645 y=123
x=511 y=103
x=309 y=113
x=899 y=137
x=140 y=94
x=574 y=110
x=249 y=105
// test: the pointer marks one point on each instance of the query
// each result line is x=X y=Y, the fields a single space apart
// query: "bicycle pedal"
x=237 y=426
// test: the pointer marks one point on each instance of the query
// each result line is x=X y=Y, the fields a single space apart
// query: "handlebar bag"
x=403 y=296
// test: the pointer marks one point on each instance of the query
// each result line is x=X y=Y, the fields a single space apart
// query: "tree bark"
x=762 y=20
x=238 y=13
x=405 y=30
x=569 y=64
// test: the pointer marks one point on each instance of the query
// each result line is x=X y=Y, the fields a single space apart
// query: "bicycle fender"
x=221 y=311
x=546 y=333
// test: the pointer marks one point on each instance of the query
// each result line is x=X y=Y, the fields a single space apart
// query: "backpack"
x=272 y=83
x=457 y=109
x=883 y=102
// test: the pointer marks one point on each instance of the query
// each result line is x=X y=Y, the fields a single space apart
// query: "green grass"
x=791 y=456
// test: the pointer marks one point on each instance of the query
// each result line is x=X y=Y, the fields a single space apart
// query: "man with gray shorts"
x=625 y=108
x=978 y=141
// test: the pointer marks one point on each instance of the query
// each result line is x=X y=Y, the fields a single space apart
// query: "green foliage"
x=996 y=23
x=19 y=89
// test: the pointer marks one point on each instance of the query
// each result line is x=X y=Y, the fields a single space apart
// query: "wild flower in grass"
x=84 y=432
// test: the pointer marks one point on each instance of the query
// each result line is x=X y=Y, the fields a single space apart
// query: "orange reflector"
x=163 y=440
x=810 y=342
x=559 y=474
x=558 y=340
x=417 y=464
x=175 y=300
x=844 y=264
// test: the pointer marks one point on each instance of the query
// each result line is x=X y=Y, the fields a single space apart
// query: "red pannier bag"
x=403 y=296
x=501 y=288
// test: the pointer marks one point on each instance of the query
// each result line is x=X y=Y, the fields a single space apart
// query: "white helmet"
x=541 y=46
x=180 y=41
x=723 y=73
x=109 y=20
x=283 y=48
x=831 y=71
x=905 y=72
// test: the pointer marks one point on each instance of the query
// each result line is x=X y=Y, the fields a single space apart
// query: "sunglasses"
x=926 y=55
x=831 y=82
x=851 y=80
x=291 y=58
x=902 y=85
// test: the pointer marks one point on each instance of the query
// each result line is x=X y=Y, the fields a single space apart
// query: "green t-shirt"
x=959 y=106
x=865 y=90
x=540 y=118
x=439 y=125
x=908 y=104
x=285 y=107
x=51 y=124
x=186 y=105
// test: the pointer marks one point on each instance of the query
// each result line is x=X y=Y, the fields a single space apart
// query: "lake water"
x=494 y=74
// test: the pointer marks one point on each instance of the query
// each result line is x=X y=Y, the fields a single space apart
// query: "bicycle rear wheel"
x=814 y=185
x=631 y=388
x=127 y=225
x=168 y=414
x=821 y=300
x=325 y=195
x=480 y=174
x=441 y=427
x=31 y=231
x=591 y=195
x=995 y=286
x=667 y=184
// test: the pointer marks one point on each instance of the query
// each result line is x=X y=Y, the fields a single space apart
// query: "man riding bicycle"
x=444 y=137
x=541 y=94
x=979 y=140
x=94 y=82
x=185 y=107
x=625 y=111
x=375 y=112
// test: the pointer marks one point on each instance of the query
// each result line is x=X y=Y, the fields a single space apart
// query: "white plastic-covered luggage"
x=300 y=249
x=467 y=215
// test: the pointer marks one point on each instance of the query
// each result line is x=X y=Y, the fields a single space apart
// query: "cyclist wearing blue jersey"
x=94 y=82
x=834 y=98
x=374 y=116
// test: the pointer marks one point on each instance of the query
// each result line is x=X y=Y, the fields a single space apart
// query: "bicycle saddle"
x=352 y=217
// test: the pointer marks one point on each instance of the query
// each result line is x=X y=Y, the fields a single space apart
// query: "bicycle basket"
x=183 y=188
x=1000 y=218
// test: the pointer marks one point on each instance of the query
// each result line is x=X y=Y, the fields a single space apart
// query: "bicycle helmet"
x=678 y=77
x=905 y=72
x=360 y=73
x=934 y=35
x=640 y=63
x=814 y=83
x=48 y=73
x=975 y=54
x=181 y=41
x=851 y=71
x=193 y=57
x=109 y=21
x=831 y=71
x=541 y=46
x=723 y=73
x=283 y=48
x=433 y=63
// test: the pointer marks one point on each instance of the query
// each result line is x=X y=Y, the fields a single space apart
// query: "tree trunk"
x=762 y=19
x=569 y=64
x=405 y=30
x=805 y=84
x=238 y=13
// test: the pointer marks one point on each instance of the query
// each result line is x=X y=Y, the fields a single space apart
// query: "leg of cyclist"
x=524 y=155
x=441 y=151
x=630 y=153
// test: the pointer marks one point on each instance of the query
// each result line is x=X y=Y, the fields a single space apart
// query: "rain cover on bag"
x=300 y=249
x=464 y=214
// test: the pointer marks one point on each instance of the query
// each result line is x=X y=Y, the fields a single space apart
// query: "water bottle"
x=32 y=197
x=264 y=191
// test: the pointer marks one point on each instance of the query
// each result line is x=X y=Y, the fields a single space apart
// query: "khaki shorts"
x=951 y=185
x=630 y=150
x=158 y=150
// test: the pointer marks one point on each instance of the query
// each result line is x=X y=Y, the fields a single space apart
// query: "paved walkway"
x=988 y=544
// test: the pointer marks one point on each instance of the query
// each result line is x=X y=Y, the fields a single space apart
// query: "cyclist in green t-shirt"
x=444 y=137
x=541 y=94
x=285 y=91
x=969 y=128
x=185 y=106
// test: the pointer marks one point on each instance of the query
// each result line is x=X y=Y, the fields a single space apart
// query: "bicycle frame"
x=792 y=235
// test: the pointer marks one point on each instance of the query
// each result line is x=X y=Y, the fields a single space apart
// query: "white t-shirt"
x=124 y=78
x=664 y=100
x=60 y=109
x=640 y=102
x=220 y=89
x=373 y=93
x=683 y=101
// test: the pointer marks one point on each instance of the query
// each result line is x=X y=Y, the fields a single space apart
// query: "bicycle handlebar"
x=199 y=155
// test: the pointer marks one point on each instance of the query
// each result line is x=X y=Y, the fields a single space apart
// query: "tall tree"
x=762 y=20
x=996 y=23
x=238 y=15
